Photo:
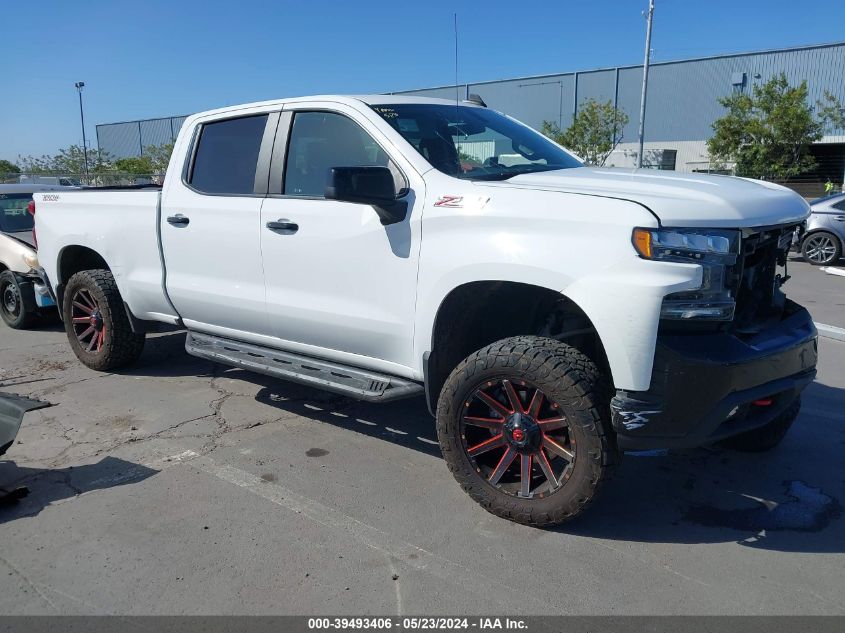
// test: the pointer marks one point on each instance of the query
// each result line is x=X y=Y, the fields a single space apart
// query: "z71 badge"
x=455 y=202
x=459 y=202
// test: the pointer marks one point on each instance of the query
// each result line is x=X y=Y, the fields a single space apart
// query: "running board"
x=322 y=374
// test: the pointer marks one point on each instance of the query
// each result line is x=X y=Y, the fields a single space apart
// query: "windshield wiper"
x=515 y=171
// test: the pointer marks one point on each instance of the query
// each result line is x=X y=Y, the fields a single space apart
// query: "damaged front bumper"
x=707 y=387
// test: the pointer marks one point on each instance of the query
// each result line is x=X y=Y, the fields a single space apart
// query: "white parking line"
x=831 y=331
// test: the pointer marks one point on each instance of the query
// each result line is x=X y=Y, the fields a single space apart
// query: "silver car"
x=24 y=299
x=824 y=235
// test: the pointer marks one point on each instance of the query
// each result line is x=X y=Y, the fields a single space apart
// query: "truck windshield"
x=14 y=217
x=474 y=143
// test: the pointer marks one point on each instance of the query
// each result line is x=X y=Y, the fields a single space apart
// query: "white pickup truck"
x=553 y=314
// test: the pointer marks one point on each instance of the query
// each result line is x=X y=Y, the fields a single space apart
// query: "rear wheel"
x=524 y=427
x=12 y=306
x=821 y=248
x=96 y=322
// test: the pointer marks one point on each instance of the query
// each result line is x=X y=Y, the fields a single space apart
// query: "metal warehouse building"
x=682 y=104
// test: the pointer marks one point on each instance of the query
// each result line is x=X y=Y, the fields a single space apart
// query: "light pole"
x=645 y=82
x=79 y=86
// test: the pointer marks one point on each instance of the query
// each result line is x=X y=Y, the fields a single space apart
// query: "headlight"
x=30 y=259
x=715 y=250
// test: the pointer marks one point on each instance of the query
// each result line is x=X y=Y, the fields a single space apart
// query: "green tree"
x=595 y=132
x=831 y=112
x=8 y=167
x=71 y=160
x=159 y=156
x=36 y=164
x=135 y=165
x=767 y=134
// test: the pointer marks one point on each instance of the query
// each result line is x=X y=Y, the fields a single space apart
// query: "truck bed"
x=121 y=224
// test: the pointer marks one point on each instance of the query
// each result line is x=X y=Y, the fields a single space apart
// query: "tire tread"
x=545 y=360
x=125 y=346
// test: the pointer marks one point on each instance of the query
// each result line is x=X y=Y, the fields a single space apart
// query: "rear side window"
x=227 y=154
x=840 y=205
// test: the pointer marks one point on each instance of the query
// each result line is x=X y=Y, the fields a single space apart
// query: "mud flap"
x=12 y=410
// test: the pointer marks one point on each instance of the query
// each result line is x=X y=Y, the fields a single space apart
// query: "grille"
x=758 y=275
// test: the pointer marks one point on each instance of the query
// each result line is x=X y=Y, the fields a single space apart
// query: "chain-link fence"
x=131 y=138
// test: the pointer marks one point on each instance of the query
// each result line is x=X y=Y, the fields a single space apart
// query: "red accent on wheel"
x=87 y=322
x=506 y=419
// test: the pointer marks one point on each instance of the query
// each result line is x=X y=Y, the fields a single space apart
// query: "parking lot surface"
x=823 y=294
x=181 y=487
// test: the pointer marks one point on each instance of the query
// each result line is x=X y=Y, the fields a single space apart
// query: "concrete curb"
x=831 y=331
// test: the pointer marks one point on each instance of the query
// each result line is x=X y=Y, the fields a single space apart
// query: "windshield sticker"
x=387 y=113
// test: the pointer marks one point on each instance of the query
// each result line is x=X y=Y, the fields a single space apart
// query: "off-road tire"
x=567 y=377
x=766 y=437
x=121 y=346
x=21 y=318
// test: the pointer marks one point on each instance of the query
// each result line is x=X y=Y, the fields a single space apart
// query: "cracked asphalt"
x=181 y=487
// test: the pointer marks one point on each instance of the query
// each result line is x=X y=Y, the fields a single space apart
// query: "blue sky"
x=169 y=57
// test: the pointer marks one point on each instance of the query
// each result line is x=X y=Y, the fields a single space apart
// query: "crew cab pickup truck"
x=553 y=314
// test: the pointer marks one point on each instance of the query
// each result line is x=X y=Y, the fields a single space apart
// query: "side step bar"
x=349 y=381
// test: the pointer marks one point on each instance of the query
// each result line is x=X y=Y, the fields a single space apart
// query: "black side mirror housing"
x=367 y=185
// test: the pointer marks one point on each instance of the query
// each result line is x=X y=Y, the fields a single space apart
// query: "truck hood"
x=680 y=200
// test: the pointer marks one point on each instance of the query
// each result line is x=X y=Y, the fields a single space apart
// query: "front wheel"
x=96 y=322
x=821 y=248
x=524 y=427
x=13 y=308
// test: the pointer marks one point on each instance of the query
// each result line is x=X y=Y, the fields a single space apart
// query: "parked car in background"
x=23 y=297
x=824 y=233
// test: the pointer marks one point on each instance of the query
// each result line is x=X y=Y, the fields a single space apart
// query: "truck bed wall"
x=121 y=226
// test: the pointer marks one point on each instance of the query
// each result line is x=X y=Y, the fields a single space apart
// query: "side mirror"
x=367 y=185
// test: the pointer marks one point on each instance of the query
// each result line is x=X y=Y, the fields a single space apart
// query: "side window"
x=840 y=205
x=322 y=140
x=227 y=154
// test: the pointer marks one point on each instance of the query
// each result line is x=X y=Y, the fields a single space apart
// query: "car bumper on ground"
x=707 y=387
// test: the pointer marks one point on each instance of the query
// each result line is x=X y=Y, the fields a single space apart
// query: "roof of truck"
x=375 y=99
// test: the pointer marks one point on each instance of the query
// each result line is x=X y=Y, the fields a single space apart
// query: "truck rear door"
x=210 y=227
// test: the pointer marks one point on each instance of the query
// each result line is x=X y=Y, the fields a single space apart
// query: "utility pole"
x=79 y=85
x=645 y=82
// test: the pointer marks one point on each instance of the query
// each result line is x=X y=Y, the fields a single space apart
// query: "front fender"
x=623 y=302
x=574 y=244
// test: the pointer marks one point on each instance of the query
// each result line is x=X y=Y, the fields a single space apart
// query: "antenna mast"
x=457 y=94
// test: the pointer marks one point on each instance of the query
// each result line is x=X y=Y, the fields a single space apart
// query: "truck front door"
x=340 y=285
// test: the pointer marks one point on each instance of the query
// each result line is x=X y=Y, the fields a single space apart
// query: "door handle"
x=178 y=220
x=283 y=225
x=839 y=217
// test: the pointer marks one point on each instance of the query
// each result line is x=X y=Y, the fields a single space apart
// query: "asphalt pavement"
x=823 y=294
x=181 y=487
